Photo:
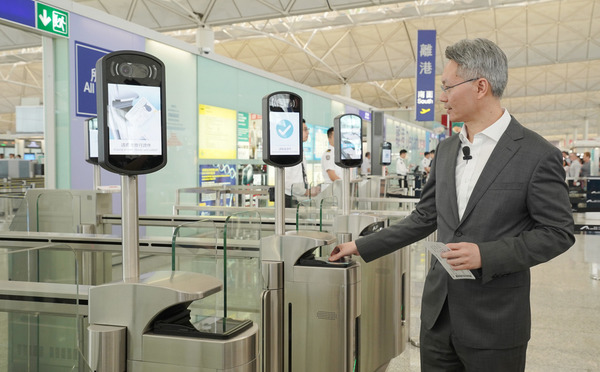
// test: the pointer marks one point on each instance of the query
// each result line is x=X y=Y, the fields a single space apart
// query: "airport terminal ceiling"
x=553 y=47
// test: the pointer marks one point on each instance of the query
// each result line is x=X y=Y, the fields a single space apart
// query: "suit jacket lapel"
x=446 y=162
x=505 y=149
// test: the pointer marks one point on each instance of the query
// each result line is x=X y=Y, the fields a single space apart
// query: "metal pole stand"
x=129 y=225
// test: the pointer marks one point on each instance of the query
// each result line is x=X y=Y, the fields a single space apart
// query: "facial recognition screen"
x=350 y=137
x=134 y=120
x=284 y=133
x=92 y=137
x=386 y=156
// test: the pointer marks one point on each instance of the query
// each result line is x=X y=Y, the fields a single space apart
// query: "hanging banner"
x=425 y=97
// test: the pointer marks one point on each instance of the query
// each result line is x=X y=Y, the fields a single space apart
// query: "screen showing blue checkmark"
x=285 y=129
x=284 y=138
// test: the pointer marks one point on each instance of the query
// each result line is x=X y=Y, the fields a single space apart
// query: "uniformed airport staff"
x=331 y=171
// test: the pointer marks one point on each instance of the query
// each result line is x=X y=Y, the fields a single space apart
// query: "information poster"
x=249 y=135
x=216 y=175
x=255 y=136
x=217 y=133
x=243 y=142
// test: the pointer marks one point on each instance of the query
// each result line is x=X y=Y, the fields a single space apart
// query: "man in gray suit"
x=502 y=207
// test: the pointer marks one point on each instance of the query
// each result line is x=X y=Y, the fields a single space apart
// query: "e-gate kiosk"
x=384 y=282
x=142 y=323
x=310 y=306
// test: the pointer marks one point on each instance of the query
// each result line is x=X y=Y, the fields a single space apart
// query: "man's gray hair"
x=480 y=58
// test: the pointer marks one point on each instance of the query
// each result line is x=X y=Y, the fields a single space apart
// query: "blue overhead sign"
x=85 y=64
x=366 y=115
x=425 y=97
x=19 y=11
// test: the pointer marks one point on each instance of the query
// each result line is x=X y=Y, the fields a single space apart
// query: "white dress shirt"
x=468 y=171
x=294 y=179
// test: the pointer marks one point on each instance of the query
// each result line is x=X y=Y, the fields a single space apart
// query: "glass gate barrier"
x=195 y=249
x=328 y=210
x=56 y=212
x=16 y=213
x=243 y=278
x=43 y=318
x=307 y=215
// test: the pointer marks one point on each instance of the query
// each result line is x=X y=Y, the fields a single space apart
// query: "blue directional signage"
x=425 y=97
x=19 y=11
x=85 y=64
x=366 y=115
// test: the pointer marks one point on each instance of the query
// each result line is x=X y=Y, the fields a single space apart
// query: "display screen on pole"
x=350 y=131
x=347 y=136
x=386 y=153
x=131 y=116
x=134 y=120
x=284 y=130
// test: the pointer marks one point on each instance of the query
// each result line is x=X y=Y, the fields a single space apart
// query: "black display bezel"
x=107 y=73
x=294 y=106
x=337 y=140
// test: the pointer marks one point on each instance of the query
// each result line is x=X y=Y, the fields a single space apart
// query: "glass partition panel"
x=55 y=212
x=195 y=250
x=308 y=216
x=16 y=213
x=43 y=317
x=241 y=265
x=328 y=210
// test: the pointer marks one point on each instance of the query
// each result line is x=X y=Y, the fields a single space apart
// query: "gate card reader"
x=141 y=299
x=139 y=303
x=177 y=321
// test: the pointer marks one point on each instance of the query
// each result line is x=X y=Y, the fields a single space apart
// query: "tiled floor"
x=565 y=305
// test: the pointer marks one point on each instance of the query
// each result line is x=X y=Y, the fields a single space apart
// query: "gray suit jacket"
x=519 y=214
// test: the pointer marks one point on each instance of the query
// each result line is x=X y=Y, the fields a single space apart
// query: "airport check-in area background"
x=212 y=106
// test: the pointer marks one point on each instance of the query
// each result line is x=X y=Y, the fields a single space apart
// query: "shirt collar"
x=494 y=131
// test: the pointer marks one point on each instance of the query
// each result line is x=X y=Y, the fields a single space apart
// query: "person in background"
x=566 y=157
x=497 y=213
x=331 y=171
x=425 y=162
x=402 y=168
x=296 y=181
x=585 y=167
x=11 y=156
x=574 y=169
x=365 y=168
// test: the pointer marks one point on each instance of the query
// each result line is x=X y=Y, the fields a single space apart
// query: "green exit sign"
x=52 y=20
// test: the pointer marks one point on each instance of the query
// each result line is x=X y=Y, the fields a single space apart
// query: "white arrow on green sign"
x=52 y=20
